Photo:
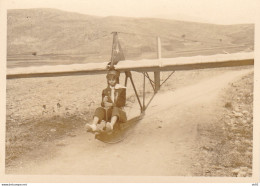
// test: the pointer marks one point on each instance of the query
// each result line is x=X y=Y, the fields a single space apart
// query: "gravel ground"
x=228 y=151
x=41 y=111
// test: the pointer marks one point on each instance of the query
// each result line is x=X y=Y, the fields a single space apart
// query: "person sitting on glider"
x=112 y=105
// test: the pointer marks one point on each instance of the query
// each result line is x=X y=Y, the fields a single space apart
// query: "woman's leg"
x=110 y=125
x=114 y=119
x=95 y=120
x=117 y=115
x=98 y=116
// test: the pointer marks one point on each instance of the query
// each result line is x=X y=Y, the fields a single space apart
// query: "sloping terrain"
x=47 y=115
x=187 y=130
x=50 y=35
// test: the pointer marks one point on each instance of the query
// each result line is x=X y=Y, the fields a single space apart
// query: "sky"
x=209 y=11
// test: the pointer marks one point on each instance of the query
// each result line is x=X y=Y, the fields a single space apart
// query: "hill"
x=52 y=32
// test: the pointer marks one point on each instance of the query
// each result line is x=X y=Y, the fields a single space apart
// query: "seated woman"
x=113 y=101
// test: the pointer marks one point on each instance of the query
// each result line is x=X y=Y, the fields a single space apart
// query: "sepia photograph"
x=153 y=89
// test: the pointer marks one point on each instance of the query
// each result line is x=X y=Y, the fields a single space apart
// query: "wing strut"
x=128 y=74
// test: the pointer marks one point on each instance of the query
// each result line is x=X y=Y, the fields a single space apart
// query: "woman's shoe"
x=109 y=127
x=91 y=127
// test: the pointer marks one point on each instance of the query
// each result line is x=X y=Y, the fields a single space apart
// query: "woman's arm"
x=105 y=100
x=121 y=99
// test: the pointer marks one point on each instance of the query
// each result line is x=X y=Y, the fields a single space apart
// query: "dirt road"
x=163 y=143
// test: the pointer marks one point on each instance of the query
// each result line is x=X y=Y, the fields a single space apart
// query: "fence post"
x=157 y=73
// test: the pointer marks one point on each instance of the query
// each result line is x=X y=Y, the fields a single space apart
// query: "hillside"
x=47 y=33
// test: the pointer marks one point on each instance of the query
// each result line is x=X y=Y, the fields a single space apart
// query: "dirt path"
x=163 y=143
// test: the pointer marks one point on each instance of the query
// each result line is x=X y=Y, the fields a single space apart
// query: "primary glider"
x=126 y=66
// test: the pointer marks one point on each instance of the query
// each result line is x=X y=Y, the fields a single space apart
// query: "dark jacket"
x=120 y=96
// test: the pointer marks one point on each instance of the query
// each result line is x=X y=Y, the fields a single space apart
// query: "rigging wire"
x=166 y=37
x=167 y=78
x=91 y=40
x=192 y=40
x=153 y=35
x=170 y=38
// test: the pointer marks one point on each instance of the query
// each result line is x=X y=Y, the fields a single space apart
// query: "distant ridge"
x=52 y=31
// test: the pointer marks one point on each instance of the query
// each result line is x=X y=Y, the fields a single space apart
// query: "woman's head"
x=113 y=77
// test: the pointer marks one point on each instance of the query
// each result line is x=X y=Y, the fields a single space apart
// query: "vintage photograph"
x=130 y=88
